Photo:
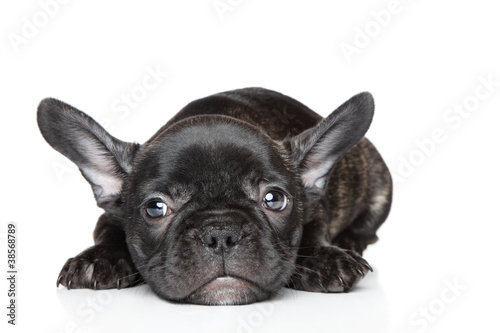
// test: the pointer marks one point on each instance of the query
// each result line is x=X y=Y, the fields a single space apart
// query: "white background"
x=427 y=58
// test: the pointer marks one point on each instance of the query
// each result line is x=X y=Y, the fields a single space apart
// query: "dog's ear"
x=316 y=150
x=103 y=160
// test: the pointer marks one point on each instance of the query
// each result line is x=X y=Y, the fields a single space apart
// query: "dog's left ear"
x=316 y=150
x=103 y=160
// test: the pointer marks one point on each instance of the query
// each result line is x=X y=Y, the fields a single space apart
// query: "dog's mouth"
x=227 y=290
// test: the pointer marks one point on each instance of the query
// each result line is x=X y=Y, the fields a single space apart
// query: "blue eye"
x=275 y=200
x=156 y=209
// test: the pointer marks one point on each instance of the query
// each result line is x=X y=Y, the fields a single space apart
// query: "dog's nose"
x=220 y=239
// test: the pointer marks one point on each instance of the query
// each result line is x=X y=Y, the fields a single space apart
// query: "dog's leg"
x=105 y=265
x=362 y=230
x=360 y=233
x=322 y=267
x=328 y=269
x=339 y=266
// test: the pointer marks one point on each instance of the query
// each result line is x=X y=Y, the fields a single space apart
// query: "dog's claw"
x=361 y=272
x=340 y=280
x=367 y=265
x=98 y=267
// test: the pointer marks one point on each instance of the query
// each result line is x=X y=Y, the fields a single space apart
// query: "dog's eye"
x=156 y=209
x=275 y=200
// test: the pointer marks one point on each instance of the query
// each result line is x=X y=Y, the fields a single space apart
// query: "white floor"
x=433 y=68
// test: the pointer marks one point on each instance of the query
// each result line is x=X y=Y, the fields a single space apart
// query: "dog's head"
x=212 y=207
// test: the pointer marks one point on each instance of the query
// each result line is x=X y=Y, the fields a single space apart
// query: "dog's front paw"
x=328 y=269
x=99 y=267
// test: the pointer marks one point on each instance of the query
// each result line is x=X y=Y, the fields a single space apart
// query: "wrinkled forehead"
x=214 y=155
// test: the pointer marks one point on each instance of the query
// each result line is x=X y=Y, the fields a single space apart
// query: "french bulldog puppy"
x=239 y=195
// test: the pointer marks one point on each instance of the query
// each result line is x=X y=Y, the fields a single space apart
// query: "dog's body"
x=238 y=195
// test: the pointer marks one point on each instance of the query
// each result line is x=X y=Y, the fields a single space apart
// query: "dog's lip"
x=227 y=282
x=227 y=290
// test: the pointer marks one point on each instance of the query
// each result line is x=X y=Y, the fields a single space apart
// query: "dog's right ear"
x=316 y=150
x=103 y=160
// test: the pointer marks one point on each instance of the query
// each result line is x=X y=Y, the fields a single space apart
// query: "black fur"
x=211 y=165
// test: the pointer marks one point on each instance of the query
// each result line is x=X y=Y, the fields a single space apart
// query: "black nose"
x=220 y=239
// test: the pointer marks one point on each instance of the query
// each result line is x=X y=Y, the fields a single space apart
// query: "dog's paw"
x=99 y=267
x=328 y=269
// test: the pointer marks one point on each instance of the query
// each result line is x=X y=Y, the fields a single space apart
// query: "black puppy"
x=240 y=194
